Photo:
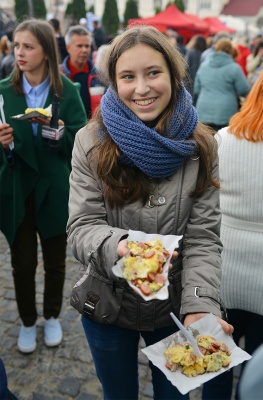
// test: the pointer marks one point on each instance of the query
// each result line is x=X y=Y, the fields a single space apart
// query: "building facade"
x=205 y=8
x=202 y=8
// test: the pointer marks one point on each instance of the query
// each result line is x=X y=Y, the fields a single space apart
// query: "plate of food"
x=146 y=265
x=34 y=112
x=174 y=356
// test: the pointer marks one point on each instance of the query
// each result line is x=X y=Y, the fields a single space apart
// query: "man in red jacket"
x=77 y=66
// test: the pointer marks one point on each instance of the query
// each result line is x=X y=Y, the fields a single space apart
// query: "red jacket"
x=242 y=57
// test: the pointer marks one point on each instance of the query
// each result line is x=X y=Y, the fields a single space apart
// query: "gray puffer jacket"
x=94 y=230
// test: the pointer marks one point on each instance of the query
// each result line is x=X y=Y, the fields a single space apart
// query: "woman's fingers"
x=174 y=255
x=6 y=135
x=122 y=248
x=228 y=329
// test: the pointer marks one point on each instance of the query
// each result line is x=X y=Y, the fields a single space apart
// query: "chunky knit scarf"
x=157 y=156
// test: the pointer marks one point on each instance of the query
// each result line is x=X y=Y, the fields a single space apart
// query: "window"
x=204 y=4
x=158 y=4
x=56 y=3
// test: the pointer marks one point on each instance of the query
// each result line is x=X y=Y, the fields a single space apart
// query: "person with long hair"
x=34 y=176
x=240 y=163
x=145 y=163
x=194 y=49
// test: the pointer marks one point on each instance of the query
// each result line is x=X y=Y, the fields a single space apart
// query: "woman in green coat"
x=34 y=176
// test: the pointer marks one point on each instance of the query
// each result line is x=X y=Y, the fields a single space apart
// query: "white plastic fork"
x=11 y=145
x=188 y=335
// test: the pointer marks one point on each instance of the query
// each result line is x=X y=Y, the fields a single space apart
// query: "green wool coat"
x=34 y=167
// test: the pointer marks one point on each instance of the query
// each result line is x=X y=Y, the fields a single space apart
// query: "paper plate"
x=33 y=114
x=205 y=326
x=170 y=242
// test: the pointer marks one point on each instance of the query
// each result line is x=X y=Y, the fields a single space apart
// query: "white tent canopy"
x=241 y=26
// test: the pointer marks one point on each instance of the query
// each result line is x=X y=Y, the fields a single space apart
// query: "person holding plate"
x=34 y=176
x=143 y=163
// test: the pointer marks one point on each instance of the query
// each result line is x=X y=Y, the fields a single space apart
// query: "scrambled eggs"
x=216 y=356
x=144 y=265
x=42 y=111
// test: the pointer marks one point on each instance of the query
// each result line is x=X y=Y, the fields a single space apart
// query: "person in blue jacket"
x=219 y=82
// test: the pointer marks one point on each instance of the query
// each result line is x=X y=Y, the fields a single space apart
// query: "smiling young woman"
x=143 y=81
x=144 y=163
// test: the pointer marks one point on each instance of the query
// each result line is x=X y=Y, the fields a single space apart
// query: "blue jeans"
x=245 y=324
x=115 y=355
x=5 y=393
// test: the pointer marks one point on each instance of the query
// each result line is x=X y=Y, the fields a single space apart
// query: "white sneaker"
x=52 y=332
x=27 y=339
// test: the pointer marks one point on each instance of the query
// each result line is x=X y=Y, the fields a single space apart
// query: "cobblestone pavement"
x=63 y=373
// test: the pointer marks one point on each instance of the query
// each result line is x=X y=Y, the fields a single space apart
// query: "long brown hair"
x=45 y=35
x=248 y=122
x=126 y=185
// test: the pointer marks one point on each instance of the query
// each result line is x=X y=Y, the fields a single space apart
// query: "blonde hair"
x=224 y=45
x=248 y=122
x=5 y=45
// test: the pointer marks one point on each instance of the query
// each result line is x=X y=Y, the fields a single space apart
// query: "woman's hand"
x=122 y=248
x=45 y=121
x=174 y=255
x=191 y=318
x=6 y=135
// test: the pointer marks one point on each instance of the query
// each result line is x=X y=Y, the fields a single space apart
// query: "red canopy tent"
x=171 y=18
x=215 y=26
x=136 y=22
x=200 y=24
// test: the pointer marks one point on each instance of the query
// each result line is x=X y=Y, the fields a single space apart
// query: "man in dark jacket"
x=77 y=66
x=98 y=34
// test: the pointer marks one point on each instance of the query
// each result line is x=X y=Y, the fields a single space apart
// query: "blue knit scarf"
x=157 y=156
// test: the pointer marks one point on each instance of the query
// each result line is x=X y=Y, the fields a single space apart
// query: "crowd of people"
x=174 y=148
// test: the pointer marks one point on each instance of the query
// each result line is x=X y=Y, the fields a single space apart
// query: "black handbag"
x=97 y=297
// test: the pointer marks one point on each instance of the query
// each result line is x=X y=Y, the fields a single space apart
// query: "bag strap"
x=92 y=298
